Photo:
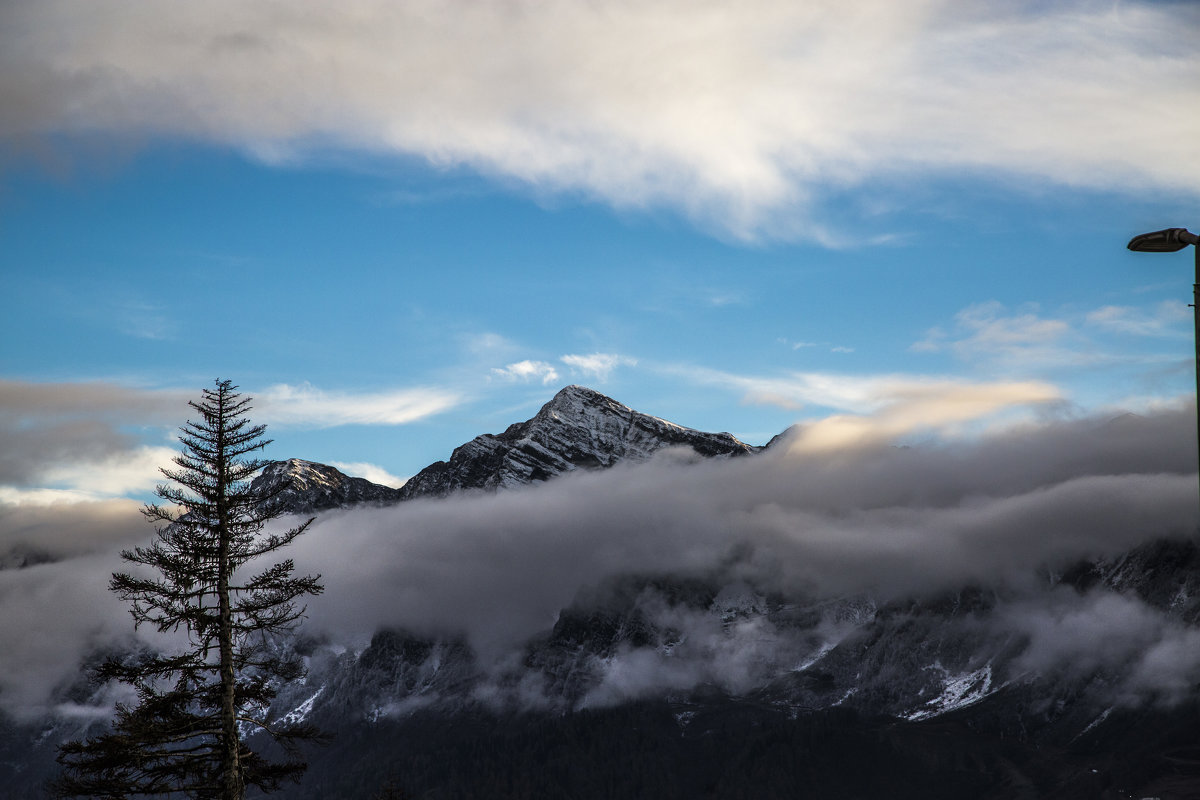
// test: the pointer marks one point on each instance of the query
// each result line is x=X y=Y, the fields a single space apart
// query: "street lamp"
x=1173 y=240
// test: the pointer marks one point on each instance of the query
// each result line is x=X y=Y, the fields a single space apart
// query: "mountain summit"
x=578 y=429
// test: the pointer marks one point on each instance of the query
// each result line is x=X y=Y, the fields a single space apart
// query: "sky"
x=399 y=225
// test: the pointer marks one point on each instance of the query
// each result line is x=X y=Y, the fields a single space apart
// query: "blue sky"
x=407 y=224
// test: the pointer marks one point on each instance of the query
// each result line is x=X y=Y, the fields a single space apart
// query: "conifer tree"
x=186 y=734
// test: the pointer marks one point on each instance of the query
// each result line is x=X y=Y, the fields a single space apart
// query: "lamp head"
x=1164 y=241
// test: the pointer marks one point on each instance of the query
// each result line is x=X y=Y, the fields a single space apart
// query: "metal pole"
x=1196 y=317
x=1172 y=240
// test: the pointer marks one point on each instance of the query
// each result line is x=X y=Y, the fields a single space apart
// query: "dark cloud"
x=68 y=530
x=1082 y=633
x=55 y=607
x=44 y=425
x=103 y=400
x=27 y=451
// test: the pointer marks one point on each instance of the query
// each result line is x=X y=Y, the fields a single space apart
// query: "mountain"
x=578 y=429
x=309 y=487
x=717 y=676
x=710 y=685
x=662 y=686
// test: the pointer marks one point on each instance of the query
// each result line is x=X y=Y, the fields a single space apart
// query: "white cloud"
x=793 y=389
x=599 y=365
x=307 y=406
x=945 y=407
x=74 y=437
x=1026 y=342
x=127 y=472
x=67 y=443
x=372 y=472
x=881 y=407
x=37 y=498
x=1166 y=319
x=833 y=348
x=488 y=343
x=740 y=116
x=146 y=321
x=988 y=331
x=859 y=394
x=528 y=370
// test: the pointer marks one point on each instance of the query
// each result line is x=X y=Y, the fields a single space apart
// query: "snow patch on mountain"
x=958 y=691
x=301 y=712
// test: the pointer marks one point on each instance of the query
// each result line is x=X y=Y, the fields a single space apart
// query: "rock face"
x=578 y=429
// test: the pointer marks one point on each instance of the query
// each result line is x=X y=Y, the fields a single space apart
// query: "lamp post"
x=1173 y=240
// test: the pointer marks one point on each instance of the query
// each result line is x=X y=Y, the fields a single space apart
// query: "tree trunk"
x=231 y=773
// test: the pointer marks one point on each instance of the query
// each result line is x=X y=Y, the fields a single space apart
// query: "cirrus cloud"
x=918 y=400
x=598 y=365
x=1166 y=319
x=307 y=406
x=528 y=370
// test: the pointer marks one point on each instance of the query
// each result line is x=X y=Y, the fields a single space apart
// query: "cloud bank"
x=876 y=518
x=741 y=117
x=873 y=518
x=77 y=435
x=66 y=442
